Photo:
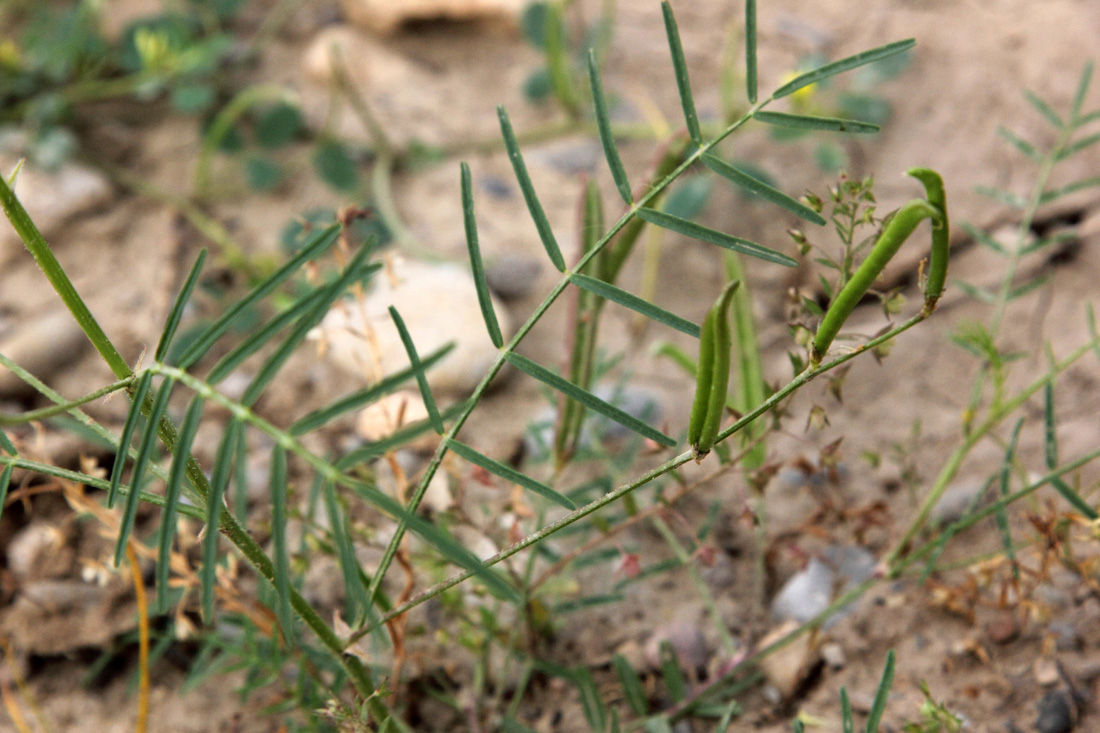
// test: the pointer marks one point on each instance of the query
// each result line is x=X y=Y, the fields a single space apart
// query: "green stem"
x=955 y=460
x=55 y=274
x=44 y=412
x=612 y=496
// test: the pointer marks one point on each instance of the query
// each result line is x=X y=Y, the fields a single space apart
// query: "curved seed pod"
x=712 y=378
x=937 y=262
x=897 y=230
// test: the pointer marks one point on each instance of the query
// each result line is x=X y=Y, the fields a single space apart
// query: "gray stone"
x=513 y=277
x=42 y=344
x=1055 y=713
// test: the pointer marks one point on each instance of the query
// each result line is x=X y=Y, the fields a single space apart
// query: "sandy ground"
x=972 y=61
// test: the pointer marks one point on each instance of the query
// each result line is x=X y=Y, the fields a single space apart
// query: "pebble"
x=1055 y=713
x=955 y=502
x=439 y=305
x=1066 y=637
x=513 y=277
x=834 y=656
x=385 y=17
x=50 y=196
x=323 y=583
x=1046 y=672
x=364 y=58
x=43 y=345
x=31 y=546
x=389 y=414
x=1003 y=628
x=809 y=592
x=636 y=402
x=786 y=667
x=687 y=643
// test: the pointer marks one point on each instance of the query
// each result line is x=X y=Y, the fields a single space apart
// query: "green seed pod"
x=894 y=233
x=712 y=378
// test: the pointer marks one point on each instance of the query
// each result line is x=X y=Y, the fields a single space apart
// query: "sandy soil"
x=971 y=64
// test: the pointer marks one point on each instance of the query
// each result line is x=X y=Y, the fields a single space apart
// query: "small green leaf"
x=1026 y=148
x=837 y=67
x=537 y=85
x=712 y=236
x=594 y=711
x=6 y=445
x=672 y=673
x=1002 y=517
x=263 y=173
x=141 y=389
x=5 y=482
x=421 y=378
x=689 y=197
x=1002 y=196
x=1074 y=148
x=683 y=83
x=533 y=22
x=335 y=166
x=763 y=190
x=810 y=122
x=172 y=493
x=634 y=303
x=603 y=123
x=878 y=707
x=278 y=125
x=214 y=501
x=983 y=238
x=318 y=244
x=189 y=99
x=632 y=685
x=542 y=224
x=320 y=417
x=847 y=721
x=1082 y=91
x=174 y=315
x=355 y=592
x=354 y=271
x=1044 y=109
x=978 y=293
x=1050 y=453
x=750 y=50
x=1021 y=290
x=278 y=536
x=587 y=399
x=484 y=299
x=509 y=474
x=137 y=476
x=1058 y=193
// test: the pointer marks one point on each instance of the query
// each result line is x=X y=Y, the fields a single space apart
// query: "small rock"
x=785 y=668
x=806 y=594
x=51 y=196
x=362 y=58
x=597 y=428
x=569 y=157
x=1055 y=713
x=955 y=502
x=387 y=16
x=391 y=413
x=513 y=277
x=1003 y=628
x=439 y=305
x=42 y=345
x=32 y=547
x=1046 y=672
x=687 y=643
x=1066 y=638
x=834 y=656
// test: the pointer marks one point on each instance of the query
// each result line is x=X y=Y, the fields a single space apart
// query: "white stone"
x=387 y=16
x=439 y=305
x=51 y=197
x=42 y=345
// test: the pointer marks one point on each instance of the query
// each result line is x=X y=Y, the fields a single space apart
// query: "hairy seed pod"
x=712 y=378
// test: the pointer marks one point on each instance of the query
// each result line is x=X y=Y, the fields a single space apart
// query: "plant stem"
x=57 y=277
